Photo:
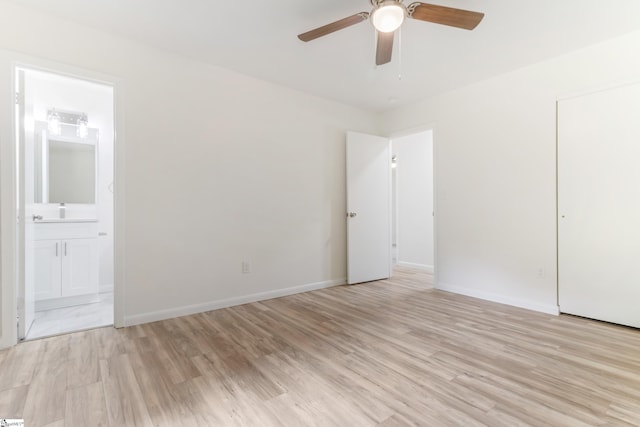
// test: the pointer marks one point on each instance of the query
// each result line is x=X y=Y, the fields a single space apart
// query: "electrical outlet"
x=246 y=267
x=540 y=273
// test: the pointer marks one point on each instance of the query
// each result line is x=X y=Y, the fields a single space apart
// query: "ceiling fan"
x=388 y=15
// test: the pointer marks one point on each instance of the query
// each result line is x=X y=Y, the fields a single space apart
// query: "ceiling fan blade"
x=384 y=47
x=334 y=26
x=445 y=15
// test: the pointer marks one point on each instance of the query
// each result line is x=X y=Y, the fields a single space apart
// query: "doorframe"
x=8 y=185
x=412 y=131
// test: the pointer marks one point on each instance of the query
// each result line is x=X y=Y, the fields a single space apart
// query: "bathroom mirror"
x=65 y=168
x=72 y=172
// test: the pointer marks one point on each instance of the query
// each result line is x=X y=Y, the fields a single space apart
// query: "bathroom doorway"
x=65 y=202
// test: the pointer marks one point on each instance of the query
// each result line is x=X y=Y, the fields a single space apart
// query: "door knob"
x=351 y=214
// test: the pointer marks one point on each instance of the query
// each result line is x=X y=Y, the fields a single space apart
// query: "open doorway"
x=413 y=241
x=65 y=245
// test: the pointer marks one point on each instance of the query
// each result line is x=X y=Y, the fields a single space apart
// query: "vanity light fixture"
x=53 y=122
x=69 y=123
x=83 y=126
x=388 y=16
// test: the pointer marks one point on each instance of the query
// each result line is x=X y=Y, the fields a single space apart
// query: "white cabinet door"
x=47 y=274
x=79 y=267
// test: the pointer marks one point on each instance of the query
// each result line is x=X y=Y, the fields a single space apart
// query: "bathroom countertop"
x=64 y=220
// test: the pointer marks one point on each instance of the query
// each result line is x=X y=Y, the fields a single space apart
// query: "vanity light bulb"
x=83 y=130
x=53 y=123
x=83 y=127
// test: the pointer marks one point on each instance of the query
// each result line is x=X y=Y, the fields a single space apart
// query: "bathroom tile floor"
x=71 y=319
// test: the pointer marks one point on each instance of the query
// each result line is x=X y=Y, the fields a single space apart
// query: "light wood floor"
x=388 y=353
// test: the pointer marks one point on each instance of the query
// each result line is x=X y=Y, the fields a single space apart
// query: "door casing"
x=9 y=267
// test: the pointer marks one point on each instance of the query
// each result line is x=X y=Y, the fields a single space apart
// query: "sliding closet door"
x=599 y=205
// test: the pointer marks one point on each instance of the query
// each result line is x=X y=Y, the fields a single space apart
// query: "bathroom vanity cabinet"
x=65 y=263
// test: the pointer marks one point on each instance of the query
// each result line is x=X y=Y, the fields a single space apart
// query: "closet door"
x=599 y=205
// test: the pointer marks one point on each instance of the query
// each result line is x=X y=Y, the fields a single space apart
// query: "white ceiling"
x=258 y=38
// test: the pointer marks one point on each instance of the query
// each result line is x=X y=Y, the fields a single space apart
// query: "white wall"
x=495 y=171
x=218 y=168
x=414 y=199
x=96 y=100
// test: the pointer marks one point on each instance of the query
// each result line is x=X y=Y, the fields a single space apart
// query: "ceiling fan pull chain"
x=400 y=53
x=375 y=44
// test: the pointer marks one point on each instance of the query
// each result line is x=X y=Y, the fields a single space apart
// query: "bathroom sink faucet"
x=63 y=211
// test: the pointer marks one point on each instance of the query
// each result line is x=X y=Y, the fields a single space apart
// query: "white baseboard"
x=53 y=303
x=417 y=266
x=502 y=299
x=170 y=313
x=106 y=288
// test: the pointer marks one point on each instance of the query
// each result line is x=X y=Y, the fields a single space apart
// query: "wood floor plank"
x=85 y=406
x=124 y=400
x=83 y=361
x=161 y=398
x=390 y=353
x=19 y=364
x=12 y=402
x=46 y=398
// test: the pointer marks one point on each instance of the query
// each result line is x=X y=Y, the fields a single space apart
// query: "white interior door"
x=369 y=207
x=599 y=205
x=25 y=248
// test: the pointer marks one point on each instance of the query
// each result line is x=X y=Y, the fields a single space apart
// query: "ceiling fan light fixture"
x=388 y=16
